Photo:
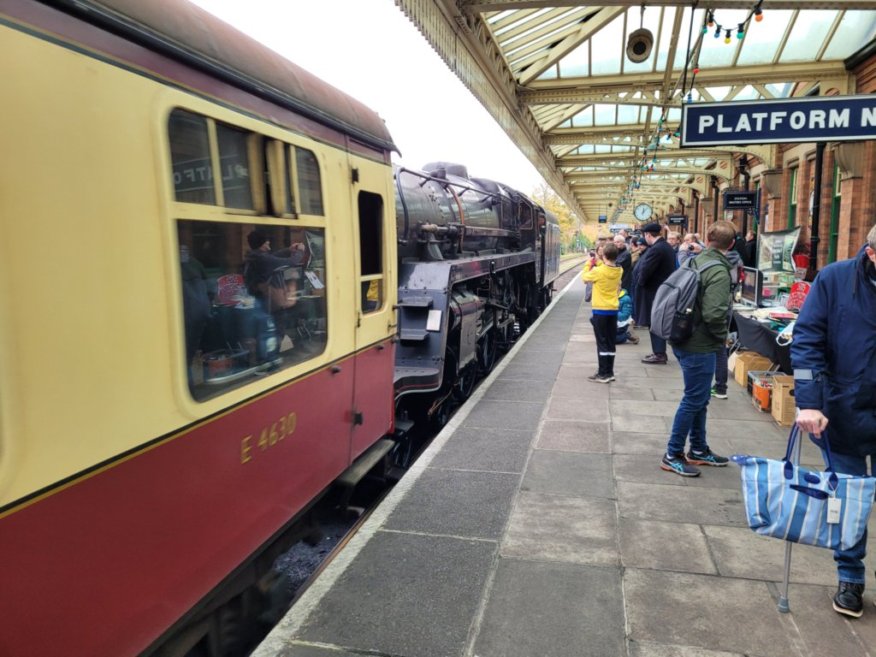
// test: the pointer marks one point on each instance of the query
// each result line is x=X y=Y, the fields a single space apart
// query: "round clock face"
x=642 y=211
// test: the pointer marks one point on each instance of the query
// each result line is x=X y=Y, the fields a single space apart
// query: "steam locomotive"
x=164 y=429
x=477 y=253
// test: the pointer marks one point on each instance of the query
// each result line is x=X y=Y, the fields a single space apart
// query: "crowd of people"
x=833 y=351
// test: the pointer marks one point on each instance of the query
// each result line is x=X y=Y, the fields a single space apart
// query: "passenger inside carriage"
x=266 y=310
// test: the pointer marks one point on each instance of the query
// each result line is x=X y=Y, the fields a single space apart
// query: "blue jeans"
x=850 y=563
x=690 y=418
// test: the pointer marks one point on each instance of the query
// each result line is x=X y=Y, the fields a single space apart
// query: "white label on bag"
x=834 y=505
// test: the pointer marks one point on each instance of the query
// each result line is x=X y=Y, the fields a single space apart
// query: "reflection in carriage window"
x=234 y=163
x=309 y=186
x=190 y=156
x=253 y=301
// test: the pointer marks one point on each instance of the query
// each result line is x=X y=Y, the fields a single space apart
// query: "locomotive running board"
x=363 y=465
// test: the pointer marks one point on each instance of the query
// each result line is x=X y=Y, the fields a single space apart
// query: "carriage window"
x=234 y=162
x=190 y=155
x=371 y=250
x=309 y=186
x=249 y=312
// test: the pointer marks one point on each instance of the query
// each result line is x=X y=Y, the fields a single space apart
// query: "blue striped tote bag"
x=793 y=503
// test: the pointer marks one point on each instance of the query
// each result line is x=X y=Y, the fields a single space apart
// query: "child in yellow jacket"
x=606 y=279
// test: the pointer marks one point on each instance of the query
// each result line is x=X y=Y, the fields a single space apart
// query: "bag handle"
x=832 y=480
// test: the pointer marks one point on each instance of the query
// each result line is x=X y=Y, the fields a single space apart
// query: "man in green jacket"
x=696 y=356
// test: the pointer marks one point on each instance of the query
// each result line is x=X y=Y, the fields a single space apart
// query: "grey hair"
x=871 y=237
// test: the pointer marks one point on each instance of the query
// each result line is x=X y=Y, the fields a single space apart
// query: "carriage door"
x=375 y=325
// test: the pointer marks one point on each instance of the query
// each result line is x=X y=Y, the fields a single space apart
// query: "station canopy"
x=600 y=123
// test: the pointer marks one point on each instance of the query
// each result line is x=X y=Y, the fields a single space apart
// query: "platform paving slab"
x=516 y=416
x=404 y=594
x=716 y=613
x=560 y=528
x=478 y=448
x=739 y=552
x=589 y=407
x=648 y=649
x=665 y=546
x=634 y=442
x=456 y=503
x=674 y=503
x=560 y=610
x=574 y=436
x=509 y=390
x=568 y=473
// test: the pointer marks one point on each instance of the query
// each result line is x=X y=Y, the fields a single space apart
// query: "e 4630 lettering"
x=268 y=437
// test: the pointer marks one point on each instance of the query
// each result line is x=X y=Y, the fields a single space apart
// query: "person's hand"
x=812 y=421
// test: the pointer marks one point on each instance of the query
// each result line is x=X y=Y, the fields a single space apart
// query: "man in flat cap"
x=654 y=267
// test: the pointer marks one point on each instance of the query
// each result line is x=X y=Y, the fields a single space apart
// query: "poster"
x=775 y=250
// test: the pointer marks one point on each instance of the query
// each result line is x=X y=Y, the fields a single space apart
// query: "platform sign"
x=603 y=218
x=740 y=200
x=833 y=118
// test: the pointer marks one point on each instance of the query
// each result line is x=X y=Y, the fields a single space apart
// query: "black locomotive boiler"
x=477 y=261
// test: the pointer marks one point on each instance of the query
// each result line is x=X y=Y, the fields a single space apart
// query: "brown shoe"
x=655 y=359
x=633 y=339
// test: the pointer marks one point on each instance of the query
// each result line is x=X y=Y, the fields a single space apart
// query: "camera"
x=690 y=247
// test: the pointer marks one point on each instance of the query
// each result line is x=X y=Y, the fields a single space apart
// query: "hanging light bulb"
x=758 y=13
x=711 y=19
x=727 y=37
x=717 y=31
x=689 y=97
x=740 y=31
x=705 y=29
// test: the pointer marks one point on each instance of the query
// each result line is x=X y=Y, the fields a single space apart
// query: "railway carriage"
x=160 y=426
x=167 y=417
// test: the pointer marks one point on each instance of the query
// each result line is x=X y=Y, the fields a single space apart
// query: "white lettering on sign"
x=743 y=124
x=758 y=119
x=816 y=119
x=838 y=119
x=721 y=127
x=798 y=120
x=868 y=117
x=776 y=119
x=706 y=122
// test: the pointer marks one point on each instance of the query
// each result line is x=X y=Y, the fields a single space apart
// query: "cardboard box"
x=748 y=361
x=783 y=405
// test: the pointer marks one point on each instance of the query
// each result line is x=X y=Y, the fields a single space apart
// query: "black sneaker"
x=849 y=599
x=601 y=378
x=679 y=466
x=706 y=458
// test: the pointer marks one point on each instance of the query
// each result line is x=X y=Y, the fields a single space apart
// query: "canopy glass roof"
x=588 y=109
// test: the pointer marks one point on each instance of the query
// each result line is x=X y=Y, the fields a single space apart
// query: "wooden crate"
x=783 y=406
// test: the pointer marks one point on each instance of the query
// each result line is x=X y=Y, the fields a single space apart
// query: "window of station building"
x=792 y=199
x=371 y=251
x=309 y=182
x=190 y=158
x=248 y=312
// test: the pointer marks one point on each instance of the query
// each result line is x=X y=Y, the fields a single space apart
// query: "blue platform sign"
x=603 y=218
x=823 y=118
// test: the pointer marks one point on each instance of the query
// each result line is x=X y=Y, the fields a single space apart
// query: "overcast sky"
x=370 y=50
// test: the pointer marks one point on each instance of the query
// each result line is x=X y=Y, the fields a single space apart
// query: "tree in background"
x=572 y=228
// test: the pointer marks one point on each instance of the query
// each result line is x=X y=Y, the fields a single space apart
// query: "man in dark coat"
x=834 y=359
x=654 y=267
x=624 y=261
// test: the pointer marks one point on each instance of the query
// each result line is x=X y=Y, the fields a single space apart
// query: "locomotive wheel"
x=465 y=384
x=487 y=352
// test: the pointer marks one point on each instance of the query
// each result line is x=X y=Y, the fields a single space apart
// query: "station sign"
x=677 y=220
x=740 y=200
x=810 y=119
x=603 y=218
